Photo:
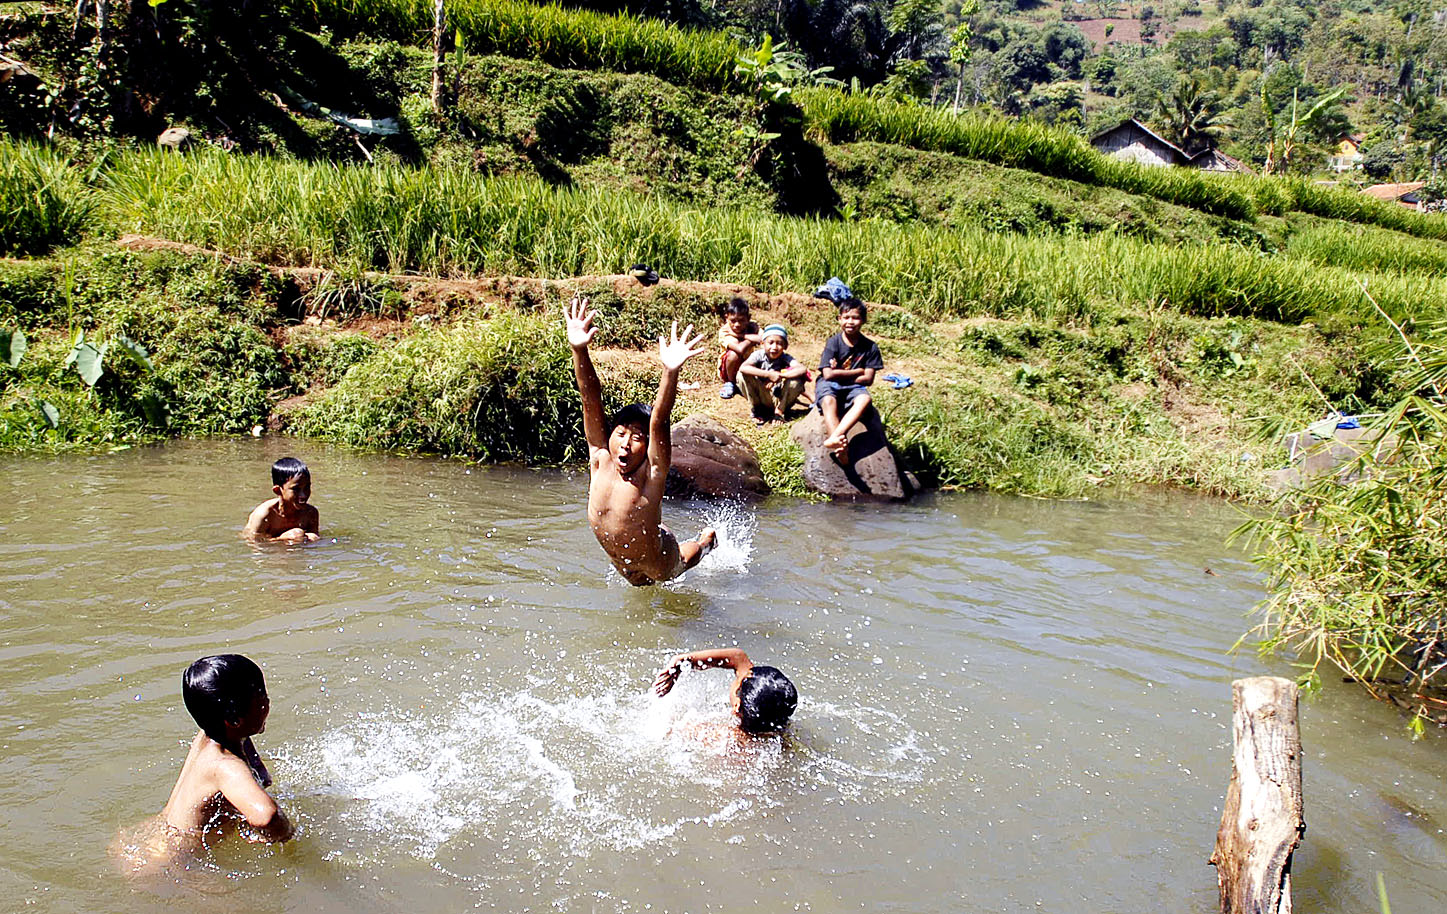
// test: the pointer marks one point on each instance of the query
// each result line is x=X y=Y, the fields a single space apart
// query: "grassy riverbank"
x=1028 y=404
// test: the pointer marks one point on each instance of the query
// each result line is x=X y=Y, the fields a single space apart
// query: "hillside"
x=1069 y=322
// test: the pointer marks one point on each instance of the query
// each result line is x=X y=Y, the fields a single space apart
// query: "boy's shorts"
x=846 y=394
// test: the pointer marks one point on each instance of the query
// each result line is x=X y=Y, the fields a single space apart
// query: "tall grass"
x=578 y=39
x=1364 y=247
x=44 y=201
x=842 y=118
x=452 y=222
x=1276 y=196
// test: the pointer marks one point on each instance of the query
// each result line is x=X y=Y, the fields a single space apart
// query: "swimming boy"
x=762 y=698
x=223 y=777
x=738 y=337
x=771 y=378
x=287 y=518
x=846 y=368
x=628 y=462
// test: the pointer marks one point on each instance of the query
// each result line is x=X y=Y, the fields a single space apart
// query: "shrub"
x=44 y=201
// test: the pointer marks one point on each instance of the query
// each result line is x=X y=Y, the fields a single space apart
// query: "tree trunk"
x=959 y=85
x=1262 y=821
x=439 y=50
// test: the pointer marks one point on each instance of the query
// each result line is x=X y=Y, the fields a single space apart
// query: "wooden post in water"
x=1262 y=822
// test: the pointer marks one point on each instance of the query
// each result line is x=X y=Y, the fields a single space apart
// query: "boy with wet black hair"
x=287 y=518
x=762 y=697
x=628 y=463
x=846 y=369
x=223 y=778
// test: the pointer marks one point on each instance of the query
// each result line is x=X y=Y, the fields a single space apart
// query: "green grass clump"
x=44 y=200
x=1363 y=247
x=203 y=324
x=497 y=389
x=578 y=39
x=844 y=118
x=454 y=222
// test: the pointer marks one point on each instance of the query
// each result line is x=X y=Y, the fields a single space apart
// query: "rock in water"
x=872 y=471
x=710 y=460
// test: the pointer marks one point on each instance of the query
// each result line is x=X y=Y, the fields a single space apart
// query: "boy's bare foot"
x=838 y=448
x=707 y=539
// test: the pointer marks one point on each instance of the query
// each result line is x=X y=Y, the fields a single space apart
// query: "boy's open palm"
x=580 y=322
x=678 y=349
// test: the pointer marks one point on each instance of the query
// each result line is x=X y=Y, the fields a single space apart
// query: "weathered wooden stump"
x=1262 y=822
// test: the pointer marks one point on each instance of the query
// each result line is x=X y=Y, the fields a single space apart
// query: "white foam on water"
x=556 y=772
x=735 y=525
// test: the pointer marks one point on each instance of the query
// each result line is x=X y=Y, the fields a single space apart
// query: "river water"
x=1006 y=704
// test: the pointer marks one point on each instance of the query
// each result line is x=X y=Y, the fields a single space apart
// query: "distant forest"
x=1277 y=84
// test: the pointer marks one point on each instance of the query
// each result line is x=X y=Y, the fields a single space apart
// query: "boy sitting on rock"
x=847 y=367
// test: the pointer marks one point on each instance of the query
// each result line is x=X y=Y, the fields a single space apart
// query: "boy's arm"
x=255 y=805
x=311 y=520
x=579 y=322
x=871 y=362
x=672 y=353
x=256 y=524
x=795 y=369
x=727 y=657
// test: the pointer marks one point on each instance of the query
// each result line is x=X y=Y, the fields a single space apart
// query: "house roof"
x=1200 y=159
x=1390 y=192
x=1132 y=122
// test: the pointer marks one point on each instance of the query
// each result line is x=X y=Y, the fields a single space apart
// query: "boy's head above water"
x=291 y=481
x=226 y=695
x=628 y=436
x=765 y=700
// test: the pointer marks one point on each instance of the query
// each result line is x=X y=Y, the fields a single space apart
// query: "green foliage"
x=44 y=201
x=1357 y=571
x=444 y=222
x=844 y=118
x=499 y=389
x=572 y=38
x=123 y=347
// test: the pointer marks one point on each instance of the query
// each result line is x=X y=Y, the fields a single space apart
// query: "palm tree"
x=1191 y=116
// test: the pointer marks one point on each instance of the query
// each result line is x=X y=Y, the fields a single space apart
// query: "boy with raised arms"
x=287 y=518
x=628 y=461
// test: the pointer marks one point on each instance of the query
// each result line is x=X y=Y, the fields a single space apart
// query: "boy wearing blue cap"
x=771 y=378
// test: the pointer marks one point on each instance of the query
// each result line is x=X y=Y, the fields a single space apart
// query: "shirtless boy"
x=223 y=777
x=287 y=518
x=762 y=698
x=628 y=462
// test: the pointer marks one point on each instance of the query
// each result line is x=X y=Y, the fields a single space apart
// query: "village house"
x=1401 y=194
x=1348 y=153
x=1133 y=141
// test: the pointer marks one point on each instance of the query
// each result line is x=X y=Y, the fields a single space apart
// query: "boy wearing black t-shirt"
x=846 y=368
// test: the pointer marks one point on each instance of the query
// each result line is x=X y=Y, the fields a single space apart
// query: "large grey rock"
x=872 y=471
x=710 y=460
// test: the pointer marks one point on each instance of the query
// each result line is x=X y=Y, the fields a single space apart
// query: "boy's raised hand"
x=678 y=349
x=580 y=323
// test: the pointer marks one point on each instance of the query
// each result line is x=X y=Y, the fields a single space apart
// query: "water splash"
x=556 y=773
x=735 y=525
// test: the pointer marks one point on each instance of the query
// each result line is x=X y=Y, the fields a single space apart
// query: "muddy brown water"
x=1006 y=704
